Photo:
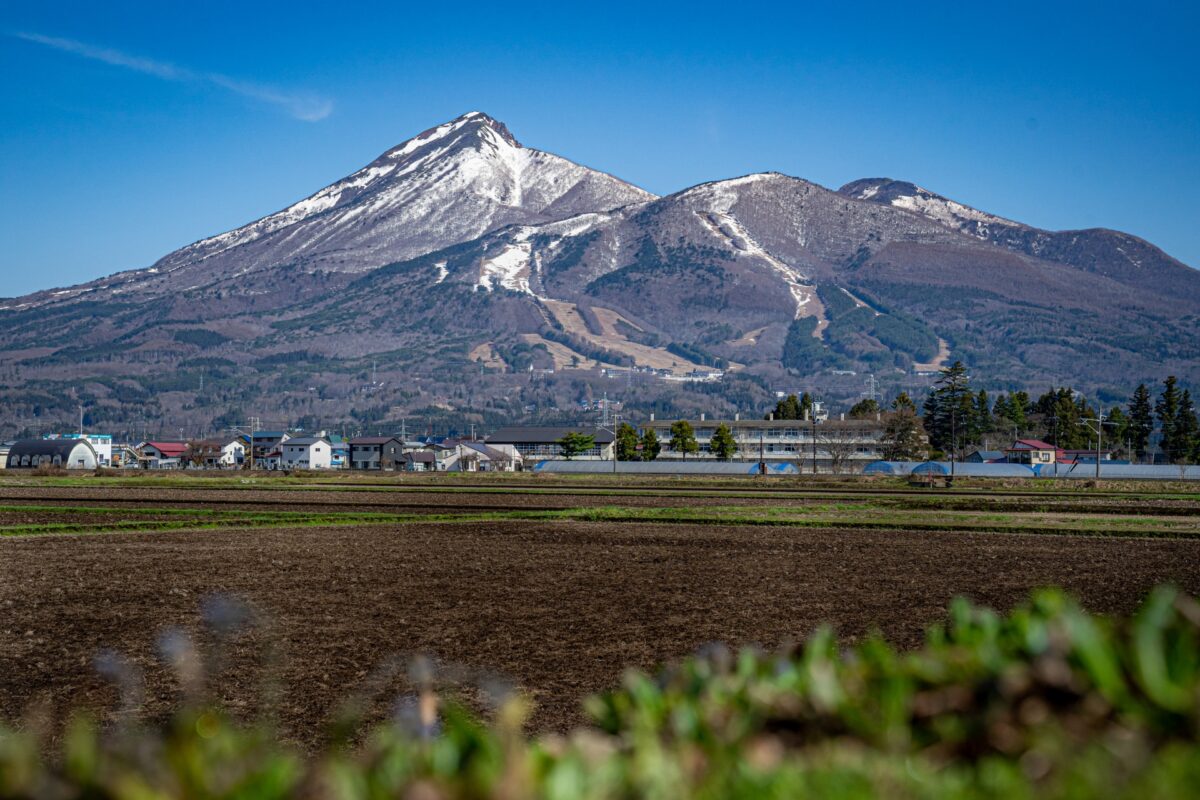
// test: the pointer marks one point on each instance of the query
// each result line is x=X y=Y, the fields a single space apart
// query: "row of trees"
x=956 y=416
x=628 y=446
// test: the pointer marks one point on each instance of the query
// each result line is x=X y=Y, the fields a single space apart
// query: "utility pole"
x=812 y=416
x=1100 y=423
x=762 y=459
x=953 y=440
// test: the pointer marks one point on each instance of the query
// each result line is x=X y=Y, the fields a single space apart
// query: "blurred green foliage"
x=1046 y=701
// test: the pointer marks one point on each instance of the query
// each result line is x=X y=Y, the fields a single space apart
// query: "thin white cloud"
x=307 y=107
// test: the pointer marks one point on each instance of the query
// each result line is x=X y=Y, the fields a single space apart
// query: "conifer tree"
x=950 y=409
x=650 y=445
x=1187 y=429
x=1141 y=421
x=722 y=444
x=902 y=437
x=1167 y=410
x=683 y=438
x=626 y=443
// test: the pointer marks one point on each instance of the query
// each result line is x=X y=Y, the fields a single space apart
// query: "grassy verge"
x=849 y=516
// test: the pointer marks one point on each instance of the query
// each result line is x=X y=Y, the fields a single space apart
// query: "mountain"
x=451 y=274
x=768 y=270
x=447 y=185
x=1112 y=254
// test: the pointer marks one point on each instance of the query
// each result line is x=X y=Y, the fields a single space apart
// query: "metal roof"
x=666 y=467
x=1031 y=444
x=867 y=424
x=306 y=441
x=47 y=447
x=1150 y=472
x=964 y=469
x=170 y=449
x=518 y=434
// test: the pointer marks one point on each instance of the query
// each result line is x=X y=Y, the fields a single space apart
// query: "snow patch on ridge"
x=729 y=229
x=947 y=212
x=509 y=270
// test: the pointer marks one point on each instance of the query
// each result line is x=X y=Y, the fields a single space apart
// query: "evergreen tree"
x=950 y=409
x=1019 y=409
x=1001 y=409
x=904 y=402
x=683 y=438
x=806 y=405
x=864 y=409
x=982 y=422
x=903 y=438
x=1062 y=418
x=1187 y=428
x=626 y=443
x=723 y=445
x=650 y=446
x=1167 y=409
x=792 y=407
x=1141 y=421
x=1116 y=429
x=574 y=443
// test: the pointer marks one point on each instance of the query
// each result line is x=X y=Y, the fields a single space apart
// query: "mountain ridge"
x=461 y=252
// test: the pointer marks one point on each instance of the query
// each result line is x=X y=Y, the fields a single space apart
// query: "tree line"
x=956 y=417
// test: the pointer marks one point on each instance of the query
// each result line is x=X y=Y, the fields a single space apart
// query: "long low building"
x=694 y=467
x=839 y=445
x=536 y=443
x=65 y=453
x=1108 y=471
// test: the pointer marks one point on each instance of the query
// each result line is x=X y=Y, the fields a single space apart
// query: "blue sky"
x=130 y=129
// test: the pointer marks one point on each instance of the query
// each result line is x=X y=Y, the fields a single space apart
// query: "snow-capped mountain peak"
x=473 y=124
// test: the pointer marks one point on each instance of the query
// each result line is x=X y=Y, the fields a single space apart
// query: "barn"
x=66 y=453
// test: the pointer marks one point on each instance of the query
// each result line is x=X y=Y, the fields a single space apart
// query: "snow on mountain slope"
x=1120 y=256
x=911 y=197
x=450 y=184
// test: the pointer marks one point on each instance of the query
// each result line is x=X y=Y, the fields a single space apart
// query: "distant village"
x=816 y=445
x=950 y=438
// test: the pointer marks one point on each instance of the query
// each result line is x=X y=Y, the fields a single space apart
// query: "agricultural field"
x=555 y=585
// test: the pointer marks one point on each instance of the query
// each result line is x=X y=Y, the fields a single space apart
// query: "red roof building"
x=1033 y=452
x=161 y=450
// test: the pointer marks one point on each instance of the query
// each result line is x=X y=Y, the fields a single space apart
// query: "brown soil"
x=562 y=608
x=385 y=502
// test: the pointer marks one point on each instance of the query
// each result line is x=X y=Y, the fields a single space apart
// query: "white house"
x=216 y=453
x=233 y=453
x=309 y=452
